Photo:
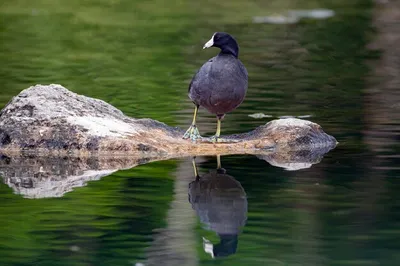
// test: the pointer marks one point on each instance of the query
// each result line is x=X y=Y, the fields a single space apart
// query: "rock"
x=51 y=120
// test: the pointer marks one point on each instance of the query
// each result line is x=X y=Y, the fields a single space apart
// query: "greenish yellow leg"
x=196 y=108
x=218 y=133
x=216 y=138
x=193 y=132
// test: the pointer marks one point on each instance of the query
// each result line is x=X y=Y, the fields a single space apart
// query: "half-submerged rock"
x=51 y=120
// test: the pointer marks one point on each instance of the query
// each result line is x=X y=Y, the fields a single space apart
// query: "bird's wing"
x=201 y=73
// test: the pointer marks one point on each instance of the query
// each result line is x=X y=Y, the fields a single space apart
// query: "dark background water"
x=140 y=57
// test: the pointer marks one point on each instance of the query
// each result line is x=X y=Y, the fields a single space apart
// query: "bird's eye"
x=216 y=37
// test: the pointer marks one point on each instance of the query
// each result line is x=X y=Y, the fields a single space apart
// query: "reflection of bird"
x=221 y=204
x=220 y=85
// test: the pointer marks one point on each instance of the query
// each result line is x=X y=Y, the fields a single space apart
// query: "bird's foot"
x=218 y=139
x=215 y=138
x=192 y=133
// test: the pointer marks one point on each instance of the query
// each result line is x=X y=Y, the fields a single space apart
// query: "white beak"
x=209 y=43
x=208 y=247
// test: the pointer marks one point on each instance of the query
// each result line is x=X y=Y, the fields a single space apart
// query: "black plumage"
x=220 y=85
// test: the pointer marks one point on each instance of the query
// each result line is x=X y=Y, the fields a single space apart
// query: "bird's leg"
x=193 y=132
x=216 y=137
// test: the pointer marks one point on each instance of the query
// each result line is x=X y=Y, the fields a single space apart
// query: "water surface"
x=140 y=57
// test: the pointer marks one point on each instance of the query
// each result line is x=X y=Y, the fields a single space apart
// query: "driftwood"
x=51 y=120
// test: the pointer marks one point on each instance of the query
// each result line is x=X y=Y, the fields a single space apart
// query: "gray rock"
x=51 y=120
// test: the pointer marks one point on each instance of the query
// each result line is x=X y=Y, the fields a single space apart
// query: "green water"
x=140 y=56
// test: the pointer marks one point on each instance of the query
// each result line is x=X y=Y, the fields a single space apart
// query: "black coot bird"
x=220 y=85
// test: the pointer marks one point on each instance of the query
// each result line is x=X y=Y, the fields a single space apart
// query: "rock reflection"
x=296 y=159
x=45 y=177
x=221 y=204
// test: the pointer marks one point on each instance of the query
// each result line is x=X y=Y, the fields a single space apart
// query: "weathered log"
x=51 y=120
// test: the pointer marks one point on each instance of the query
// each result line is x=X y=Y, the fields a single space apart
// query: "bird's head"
x=225 y=42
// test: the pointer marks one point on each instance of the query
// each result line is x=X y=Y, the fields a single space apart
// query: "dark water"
x=140 y=56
